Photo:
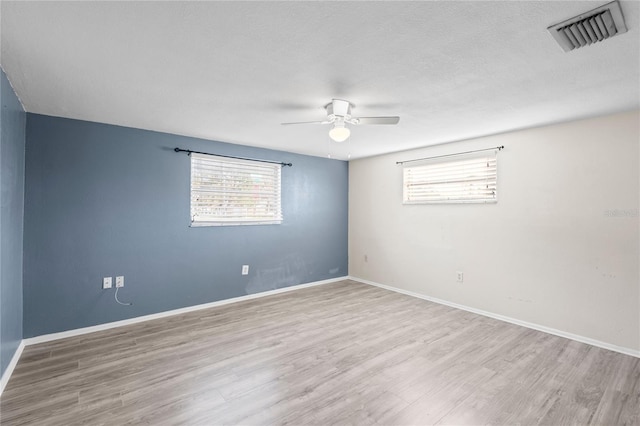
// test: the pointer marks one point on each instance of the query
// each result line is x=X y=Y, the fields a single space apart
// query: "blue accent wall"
x=103 y=200
x=12 y=151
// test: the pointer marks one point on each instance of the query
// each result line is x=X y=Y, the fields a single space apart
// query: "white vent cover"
x=596 y=25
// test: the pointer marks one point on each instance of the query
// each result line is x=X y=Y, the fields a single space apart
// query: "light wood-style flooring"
x=342 y=353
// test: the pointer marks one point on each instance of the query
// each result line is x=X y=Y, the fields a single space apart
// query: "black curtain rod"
x=189 y=152
x=449 y=155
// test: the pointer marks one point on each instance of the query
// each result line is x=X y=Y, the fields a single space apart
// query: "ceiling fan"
x=339 y=115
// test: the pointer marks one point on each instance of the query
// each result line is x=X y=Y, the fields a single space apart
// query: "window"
x=470 y=179
x=234 y=192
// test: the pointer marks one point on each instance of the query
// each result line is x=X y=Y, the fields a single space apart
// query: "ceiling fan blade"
x=306 y=122
x=378 y=120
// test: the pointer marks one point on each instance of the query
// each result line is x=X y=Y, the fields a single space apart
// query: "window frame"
x=235 y=168
x=438 y=167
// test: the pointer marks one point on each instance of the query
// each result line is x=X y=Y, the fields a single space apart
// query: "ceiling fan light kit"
x=339 y=115
x=339 y=132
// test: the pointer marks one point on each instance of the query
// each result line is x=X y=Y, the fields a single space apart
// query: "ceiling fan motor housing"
x=339 y=108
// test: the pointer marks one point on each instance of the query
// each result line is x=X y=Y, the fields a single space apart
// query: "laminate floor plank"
x=337 y=354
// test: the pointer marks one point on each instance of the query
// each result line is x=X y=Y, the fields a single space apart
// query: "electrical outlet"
x=245 y=269
x=107 y=283
x=460 y=276
x=120 y=281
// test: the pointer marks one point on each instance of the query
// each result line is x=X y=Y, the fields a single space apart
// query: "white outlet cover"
x=120 y=281
x=245 y=269
x=107 y=282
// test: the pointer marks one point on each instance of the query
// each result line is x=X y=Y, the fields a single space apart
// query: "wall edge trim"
x=533 y=326
x=12 y=365
x=115 y=324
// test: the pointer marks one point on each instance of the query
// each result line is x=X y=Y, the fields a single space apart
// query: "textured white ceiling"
x=232 y=71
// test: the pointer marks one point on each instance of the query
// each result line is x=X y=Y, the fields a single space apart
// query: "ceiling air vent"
x=591 y=27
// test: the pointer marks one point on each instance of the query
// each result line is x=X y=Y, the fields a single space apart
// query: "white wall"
x=547 y=253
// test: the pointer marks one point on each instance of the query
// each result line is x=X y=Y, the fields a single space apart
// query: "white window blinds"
x=234 y=192
x=468 y=179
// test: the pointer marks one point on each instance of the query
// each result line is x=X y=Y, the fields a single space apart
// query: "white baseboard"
x=549 y=330
x=85 y=330
x=12 y=365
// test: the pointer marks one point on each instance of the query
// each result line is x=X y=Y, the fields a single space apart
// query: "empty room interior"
x=354 y=213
